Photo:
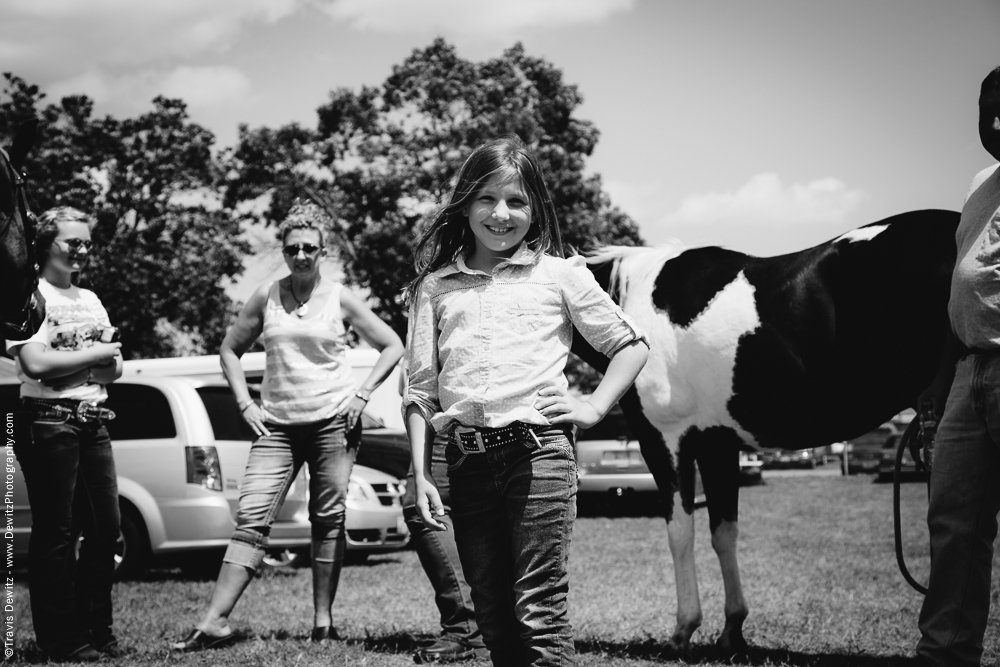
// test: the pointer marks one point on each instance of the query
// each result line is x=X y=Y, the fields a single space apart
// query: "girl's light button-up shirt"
x=481 y=345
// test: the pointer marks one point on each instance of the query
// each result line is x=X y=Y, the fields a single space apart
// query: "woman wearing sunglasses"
x=69 y=471
x=310 y=414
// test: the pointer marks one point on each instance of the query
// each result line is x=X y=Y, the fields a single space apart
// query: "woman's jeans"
x=72 y=488
x=962 y=515
x=514 y=508
x=274 y=461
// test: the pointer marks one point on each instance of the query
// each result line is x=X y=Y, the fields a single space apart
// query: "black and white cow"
x=793 y=351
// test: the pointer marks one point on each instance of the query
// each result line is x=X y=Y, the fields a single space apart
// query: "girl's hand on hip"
x=351 y=408
x=561 y=407
x=254 y=416
x=429 y=505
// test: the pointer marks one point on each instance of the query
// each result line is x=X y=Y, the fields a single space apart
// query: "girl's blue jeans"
x=962 y=515
x=69 y=472
x=513 y=509
x=274 y=461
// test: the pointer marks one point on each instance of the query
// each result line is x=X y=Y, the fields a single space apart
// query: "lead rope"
x=908 y=437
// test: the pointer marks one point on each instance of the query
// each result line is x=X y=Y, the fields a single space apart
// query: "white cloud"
x=206 y=87
x=122 y=33
x=463 y=18
x=202 y=88
x=762 y=200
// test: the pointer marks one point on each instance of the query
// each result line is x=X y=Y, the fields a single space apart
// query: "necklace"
x=302 y=307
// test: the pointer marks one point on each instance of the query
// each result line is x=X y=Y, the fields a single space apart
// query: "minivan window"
x=141 y=413
x=612 y=427
x=227 y=422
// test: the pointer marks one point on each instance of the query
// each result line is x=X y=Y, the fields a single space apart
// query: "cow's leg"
x=724 y=537
x=718 y=456
x=680 y=530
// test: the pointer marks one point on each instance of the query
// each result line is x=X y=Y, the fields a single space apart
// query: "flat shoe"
x=85 y=653
x=112 y=650
x=323 y=633
x=198 y=640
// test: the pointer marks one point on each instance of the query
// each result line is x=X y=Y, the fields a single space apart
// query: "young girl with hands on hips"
x=493 y=309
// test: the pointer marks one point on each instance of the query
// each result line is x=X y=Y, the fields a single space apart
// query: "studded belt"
x=83 y=411
x=476 y=440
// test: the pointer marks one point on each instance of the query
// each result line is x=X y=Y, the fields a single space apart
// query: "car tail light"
x=203 y=467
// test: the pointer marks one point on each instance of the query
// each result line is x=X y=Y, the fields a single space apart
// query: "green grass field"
x=817 y=562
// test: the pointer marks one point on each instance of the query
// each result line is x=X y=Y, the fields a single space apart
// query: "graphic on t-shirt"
x=72 y=327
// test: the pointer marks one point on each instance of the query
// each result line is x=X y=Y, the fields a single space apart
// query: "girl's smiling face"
x=499 y=216
x=71 y=248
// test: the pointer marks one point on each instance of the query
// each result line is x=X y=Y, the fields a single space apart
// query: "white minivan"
x=180 y=448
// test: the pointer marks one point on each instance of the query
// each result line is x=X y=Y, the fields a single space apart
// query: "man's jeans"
x=514 y=508
x=962 y=516
x=273 y=463
x=70 y=477
x=438 y=555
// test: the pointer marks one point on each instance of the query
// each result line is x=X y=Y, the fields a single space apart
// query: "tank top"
x=306 y=374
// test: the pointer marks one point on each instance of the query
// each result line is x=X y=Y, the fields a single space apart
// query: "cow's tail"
x=633 y=266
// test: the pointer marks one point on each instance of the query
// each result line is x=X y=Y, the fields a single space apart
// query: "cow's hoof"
x=732 y=644
x=676 y=650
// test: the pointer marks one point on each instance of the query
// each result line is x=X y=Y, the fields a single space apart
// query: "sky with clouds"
x=764 y=126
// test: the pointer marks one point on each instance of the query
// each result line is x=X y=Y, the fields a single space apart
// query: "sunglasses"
x=293 y=250
x=74 y=245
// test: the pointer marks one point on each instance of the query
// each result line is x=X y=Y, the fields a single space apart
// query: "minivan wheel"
x=132 y=551
x=280 y=558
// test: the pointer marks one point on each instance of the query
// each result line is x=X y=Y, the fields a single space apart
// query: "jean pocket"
x=50 y=418
x=454 y=456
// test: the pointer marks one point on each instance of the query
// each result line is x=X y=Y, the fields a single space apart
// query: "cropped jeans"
x=514 y=508
x=962 y=515
x=69 y=472
x=274 y=461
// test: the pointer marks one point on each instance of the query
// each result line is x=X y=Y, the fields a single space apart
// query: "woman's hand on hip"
x=561 y=407
x=254 y=416
x=429 y=505
x=351 y=408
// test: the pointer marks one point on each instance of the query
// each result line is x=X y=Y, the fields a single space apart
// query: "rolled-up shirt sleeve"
x=422 y=358
x=594 y=314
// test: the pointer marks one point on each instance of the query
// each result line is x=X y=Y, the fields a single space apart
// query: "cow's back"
x=851 y=331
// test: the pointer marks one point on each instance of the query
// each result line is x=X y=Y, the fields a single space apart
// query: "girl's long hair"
x=449 y=235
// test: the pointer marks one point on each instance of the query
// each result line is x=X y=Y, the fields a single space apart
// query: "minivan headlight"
x=356 y=492
x=203 y=467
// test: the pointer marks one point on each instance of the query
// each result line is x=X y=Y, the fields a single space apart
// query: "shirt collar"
x=522 y=257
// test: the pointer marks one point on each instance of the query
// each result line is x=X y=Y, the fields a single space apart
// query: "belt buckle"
x=477 y=436
x=81 y=411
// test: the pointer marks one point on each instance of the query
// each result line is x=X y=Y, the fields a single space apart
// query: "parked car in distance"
x=908 y=467
x=794 y=458
x=180 y=448
x=864 y=453
x=609 y=461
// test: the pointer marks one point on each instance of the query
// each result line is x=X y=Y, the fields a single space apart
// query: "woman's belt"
x=84 y=411
x=477 y=439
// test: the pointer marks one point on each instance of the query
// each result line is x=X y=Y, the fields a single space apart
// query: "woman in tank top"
x=310 y=414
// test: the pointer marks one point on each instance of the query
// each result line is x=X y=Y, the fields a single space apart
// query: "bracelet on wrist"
x=363 y=398
x=245 y=404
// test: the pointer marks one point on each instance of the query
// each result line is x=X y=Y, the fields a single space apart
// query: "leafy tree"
x=163 y=248
x=383 y=158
